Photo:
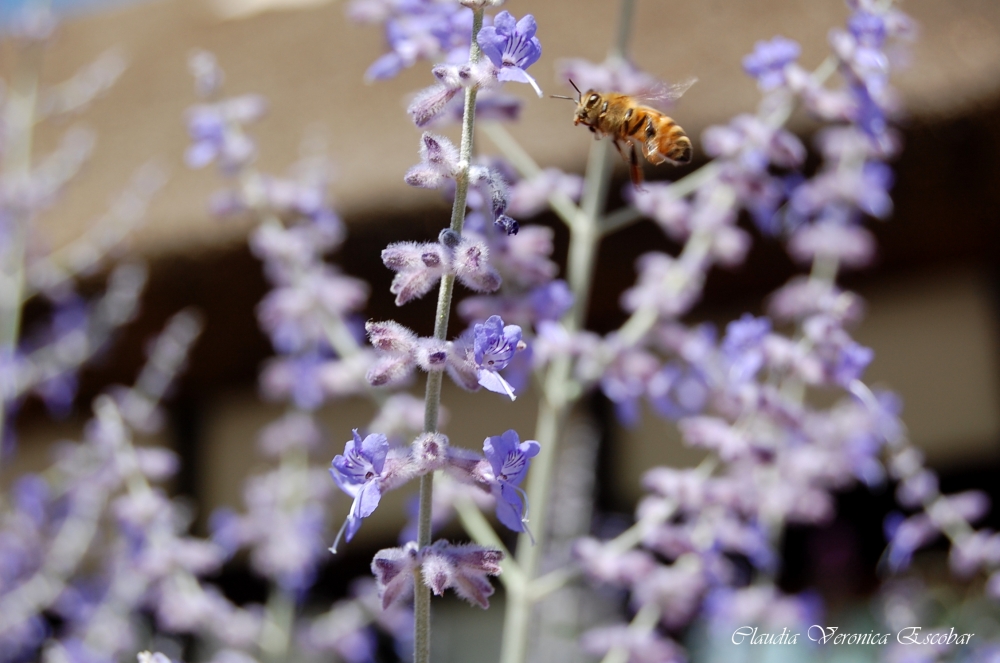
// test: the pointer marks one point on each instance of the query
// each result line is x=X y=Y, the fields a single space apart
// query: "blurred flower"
x=414 y=30
x=216 y=132
x=530 y=196
x=769 y=61
x=615 y=74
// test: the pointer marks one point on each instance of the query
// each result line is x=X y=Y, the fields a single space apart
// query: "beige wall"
x=310 y=63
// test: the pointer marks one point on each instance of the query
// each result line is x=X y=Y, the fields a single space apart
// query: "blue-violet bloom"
x=512 y=47
x=494 y=347
x=357 y=473
x=508 y=457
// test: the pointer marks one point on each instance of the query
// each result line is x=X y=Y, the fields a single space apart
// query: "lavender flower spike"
x=494 y=346
x=357 y=473
x=769 y=60
x=511 y=47
x=508 y=457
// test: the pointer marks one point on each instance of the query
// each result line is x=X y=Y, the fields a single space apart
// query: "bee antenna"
x=559 y=96
x=578 y=93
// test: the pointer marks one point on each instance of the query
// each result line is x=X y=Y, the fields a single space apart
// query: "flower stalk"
x=16 y=170
x=432 y=396
x=553 y=411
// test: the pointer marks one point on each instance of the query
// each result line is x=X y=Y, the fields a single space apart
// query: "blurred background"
x=932 y=297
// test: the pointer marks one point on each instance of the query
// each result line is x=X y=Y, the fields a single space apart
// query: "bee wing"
x=665 y=94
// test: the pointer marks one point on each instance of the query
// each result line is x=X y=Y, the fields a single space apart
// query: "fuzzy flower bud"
x=461 y=567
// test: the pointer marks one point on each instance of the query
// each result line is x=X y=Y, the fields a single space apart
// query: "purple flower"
x=429 y=104
x=493 y=181
x=494 y=347
x=659 y=203
x=511 y=47
x=641 y=646
x=612 y=74
x=626 y=378
x=551 y=301
x=531 y=196
x=905 y=536
x=743 y=346
x=802 y=297
x=419 y=266
x=605 y=565
x=715 y=434
x=216 y=134
x=294 y=431
x=296 y=316
x=852 y=362
x=524 y=260
x=865 y=188
x=357 y=473
x=545 y=302
x=439 y=160
x=508 y=457
x=851 y=245
x=769 y=59
x=297 y=378
x=657 y=269
x=208 y=77
x=393 y=569
x=415 y=31
x=463 y=568
x=676 y=391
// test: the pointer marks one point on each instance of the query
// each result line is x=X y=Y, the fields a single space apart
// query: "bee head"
x=586 y=105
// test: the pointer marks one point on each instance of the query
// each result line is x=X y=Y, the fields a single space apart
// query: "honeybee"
x=629 y=123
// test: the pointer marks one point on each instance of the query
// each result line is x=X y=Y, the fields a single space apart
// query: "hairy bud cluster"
x=461 y=567
x=418 y=266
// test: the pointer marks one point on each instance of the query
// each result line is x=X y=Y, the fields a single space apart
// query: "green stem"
x=432 y=396
x=279 y=620
x=558 y=398
x=16 y=169
x=644 y=622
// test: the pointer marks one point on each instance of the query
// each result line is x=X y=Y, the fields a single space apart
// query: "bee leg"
x=633 y=168
x=618 y=147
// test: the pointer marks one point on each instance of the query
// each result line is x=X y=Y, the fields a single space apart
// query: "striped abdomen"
x=662 y=139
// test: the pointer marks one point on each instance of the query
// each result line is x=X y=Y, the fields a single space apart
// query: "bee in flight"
x=629 y=123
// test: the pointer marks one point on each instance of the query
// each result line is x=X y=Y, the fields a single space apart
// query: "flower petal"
x=527 y=27
x=367 y=499
x=495 y=382
x=518 y=75
x=374 y=448
x=510 y=510
x=492 y=44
